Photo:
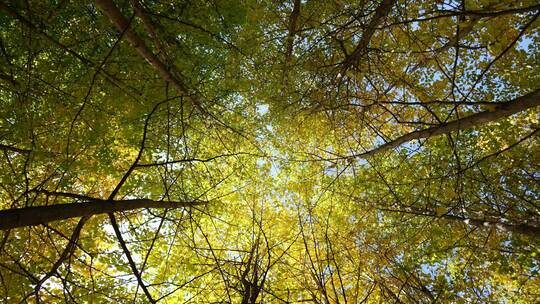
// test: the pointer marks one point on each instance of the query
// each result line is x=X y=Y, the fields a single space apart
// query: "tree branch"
x=130 y=259
x=524 y=229
x=380 y=13
x=14 y=149
x=293 y=24
x=169 y=74
x=112 y=79
x=503 y=109
x=29 y=216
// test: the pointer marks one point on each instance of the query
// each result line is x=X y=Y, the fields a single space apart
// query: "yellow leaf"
x=440 y=211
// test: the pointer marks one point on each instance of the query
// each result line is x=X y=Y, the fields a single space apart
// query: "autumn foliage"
x=224 y=151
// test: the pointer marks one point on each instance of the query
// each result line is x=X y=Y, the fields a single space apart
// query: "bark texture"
x=503 y=109
x=29 y=216
x=380 y=13
x=169 y=74
x=518 y=228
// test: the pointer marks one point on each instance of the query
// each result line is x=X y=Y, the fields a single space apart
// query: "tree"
x=259 y=151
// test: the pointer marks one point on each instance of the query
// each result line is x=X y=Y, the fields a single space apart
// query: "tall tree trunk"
x=503 y=109
x=29 y=216
x=169 y=74
x=380 y=13
x=524 y=229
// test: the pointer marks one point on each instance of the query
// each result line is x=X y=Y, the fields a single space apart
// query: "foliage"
x=287 y=131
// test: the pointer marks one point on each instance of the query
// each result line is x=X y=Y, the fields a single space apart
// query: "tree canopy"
x=240 y=151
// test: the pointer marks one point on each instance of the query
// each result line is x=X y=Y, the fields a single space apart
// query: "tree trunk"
x=503 y=109
x=29 y=216
x=524 y=229
x=169 y=74
x=380 y=13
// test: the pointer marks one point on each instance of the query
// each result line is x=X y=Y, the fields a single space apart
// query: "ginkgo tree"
x=381 y=151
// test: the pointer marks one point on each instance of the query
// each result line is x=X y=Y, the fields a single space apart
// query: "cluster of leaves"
x=318 y=151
